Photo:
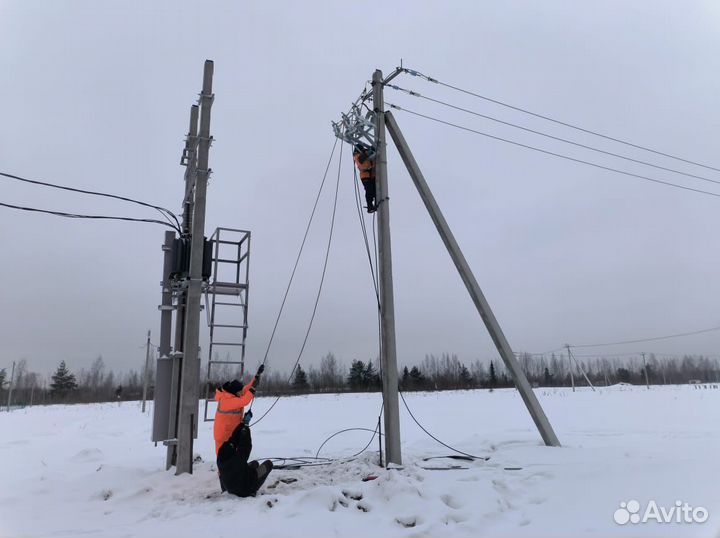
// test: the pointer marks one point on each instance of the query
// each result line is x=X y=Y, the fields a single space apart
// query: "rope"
x=322 y=280
x=300 y=251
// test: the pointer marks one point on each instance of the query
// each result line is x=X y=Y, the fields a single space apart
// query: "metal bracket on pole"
x=483 y=307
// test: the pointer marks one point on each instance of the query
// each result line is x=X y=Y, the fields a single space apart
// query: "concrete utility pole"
x=483 y=308
x=190 y=380
x=146 y=377
x=190 y=154
x=579 y=367
x=647 y=379
x=10 y=386
x=388 y=358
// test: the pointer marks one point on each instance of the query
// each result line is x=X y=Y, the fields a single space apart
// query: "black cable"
x=322 y=280
x=363 y=229
x=565 y=124
x=161 y=209
x=547 y=152
x=374 y=432
x=299 y=254
x=80 y=216
x=377 y=295
x=560 y=139
x=432 y=436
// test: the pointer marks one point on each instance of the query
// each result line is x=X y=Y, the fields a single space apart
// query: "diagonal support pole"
x=483 y=308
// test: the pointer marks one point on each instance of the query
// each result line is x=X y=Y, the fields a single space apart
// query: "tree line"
x=444 y=372
x=96 y=384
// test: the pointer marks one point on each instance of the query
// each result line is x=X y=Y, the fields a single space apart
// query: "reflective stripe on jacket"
x=230 y=412
x=365 y=166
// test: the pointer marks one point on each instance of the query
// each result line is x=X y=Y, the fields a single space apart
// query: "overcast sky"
x=97 y=94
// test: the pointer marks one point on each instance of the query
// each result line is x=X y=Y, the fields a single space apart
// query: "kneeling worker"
x=232 y=438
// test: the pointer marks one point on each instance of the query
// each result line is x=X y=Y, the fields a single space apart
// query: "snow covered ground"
x=90 y=470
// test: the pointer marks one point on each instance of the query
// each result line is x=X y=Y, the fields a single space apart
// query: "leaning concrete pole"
x=190 y=382
x=388 y=357
x=483 y=308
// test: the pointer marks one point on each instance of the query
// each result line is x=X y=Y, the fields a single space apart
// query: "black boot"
x=262 y=473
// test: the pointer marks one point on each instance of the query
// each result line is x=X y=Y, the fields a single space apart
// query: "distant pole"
x=483 y=307
x=10 y=386
x=570 y=364
x=579 y=367
x=647 y=379
x=388 y=357
x=190 y=381
x=32 y=393
x=147 y=372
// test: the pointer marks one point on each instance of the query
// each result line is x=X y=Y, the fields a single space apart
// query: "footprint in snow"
x=451 y=502
x=407 y=522
x=354 y=495
x=88 y=454
x=105 y=494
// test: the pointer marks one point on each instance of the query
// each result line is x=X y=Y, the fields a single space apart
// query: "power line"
x=547 y=152
x=161 y=209
x=637 y=341
x=560 y=139
x=80 y=216
x=559 y=122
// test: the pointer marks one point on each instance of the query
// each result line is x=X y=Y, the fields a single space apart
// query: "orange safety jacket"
x=365 y=166
x=230 y=412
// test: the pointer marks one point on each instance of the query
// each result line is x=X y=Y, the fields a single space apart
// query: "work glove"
x=258 y=374
x=248 y=417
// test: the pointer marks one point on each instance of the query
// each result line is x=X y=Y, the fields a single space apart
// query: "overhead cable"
x=552 y=153
x=559 y=122
x=637 y=341
x=161 y=209
x=558 y=138
x=81 y=216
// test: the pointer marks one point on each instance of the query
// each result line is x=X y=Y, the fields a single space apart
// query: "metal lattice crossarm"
x=357 y=127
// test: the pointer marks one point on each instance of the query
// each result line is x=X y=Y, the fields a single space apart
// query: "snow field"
x=91 y=470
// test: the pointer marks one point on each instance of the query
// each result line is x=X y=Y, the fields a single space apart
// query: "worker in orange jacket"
x=365 y=161
x=232 y=398
x=233 y=442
